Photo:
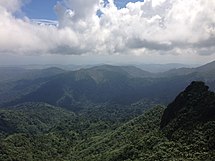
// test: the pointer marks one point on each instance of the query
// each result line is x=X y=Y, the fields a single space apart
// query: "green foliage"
x=83 y=139
x=111 y=132
x=31 y=118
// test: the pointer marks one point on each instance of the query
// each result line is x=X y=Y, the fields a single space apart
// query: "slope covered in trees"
x=182 y=131
x=102 y=113
x=190 y=119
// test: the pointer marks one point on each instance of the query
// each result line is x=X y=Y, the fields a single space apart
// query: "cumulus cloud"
x=152 y=26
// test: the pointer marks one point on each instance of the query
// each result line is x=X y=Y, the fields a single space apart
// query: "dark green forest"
x=108 y=114
x=38 y=131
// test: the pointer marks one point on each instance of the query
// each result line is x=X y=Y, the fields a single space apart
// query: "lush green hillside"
x=128 y=142
x=38 y=131
x=32 y=118
x=190 y=119
x=182 y=131
x=82 y=139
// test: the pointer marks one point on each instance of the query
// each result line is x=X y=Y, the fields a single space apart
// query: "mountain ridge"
x=141 y=137
x=106 y=83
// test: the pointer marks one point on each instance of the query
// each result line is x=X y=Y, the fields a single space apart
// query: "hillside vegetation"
x=182 y=131
x=107 y=113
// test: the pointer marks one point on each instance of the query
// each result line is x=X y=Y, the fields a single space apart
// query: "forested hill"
x=190 y=118
x=196 y=103
x=182 y=131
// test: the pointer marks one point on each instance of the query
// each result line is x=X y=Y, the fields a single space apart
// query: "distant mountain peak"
x=207 y=67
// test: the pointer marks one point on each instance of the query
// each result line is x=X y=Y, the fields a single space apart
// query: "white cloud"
x=12 y=5
x=152 y=26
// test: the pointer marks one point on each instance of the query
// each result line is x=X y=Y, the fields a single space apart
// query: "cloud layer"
x=152 y=26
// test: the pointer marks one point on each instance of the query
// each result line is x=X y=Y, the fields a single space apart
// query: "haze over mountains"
x=154 y=68
x=99 y=84
x=107 y=113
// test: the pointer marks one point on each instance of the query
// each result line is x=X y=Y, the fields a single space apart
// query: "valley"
x=107 y=113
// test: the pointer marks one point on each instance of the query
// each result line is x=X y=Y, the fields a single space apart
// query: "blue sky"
x=40 y=9
x=43 y=9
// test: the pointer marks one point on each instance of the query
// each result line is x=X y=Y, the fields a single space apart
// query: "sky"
x=106 y=31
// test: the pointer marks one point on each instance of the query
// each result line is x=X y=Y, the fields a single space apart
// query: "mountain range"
x=182 y=131
x=101 y=84
x=107 y=113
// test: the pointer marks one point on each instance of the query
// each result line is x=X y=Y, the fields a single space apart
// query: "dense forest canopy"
x=57 y=120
